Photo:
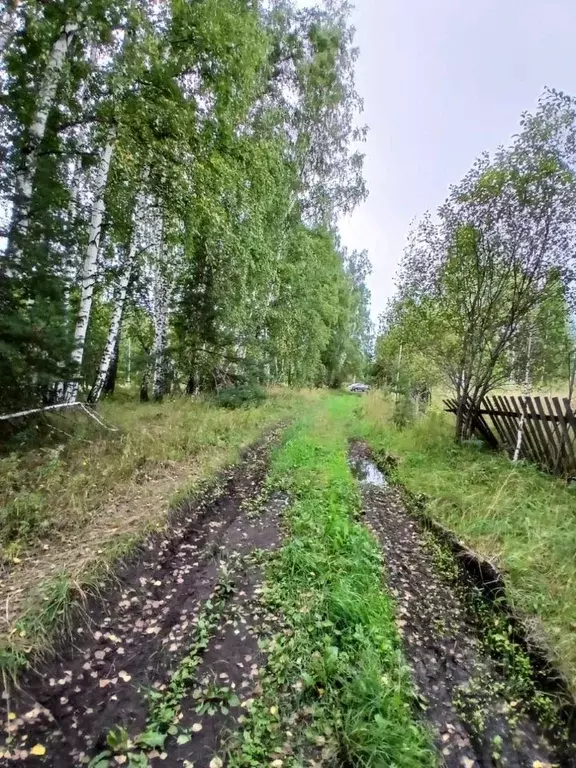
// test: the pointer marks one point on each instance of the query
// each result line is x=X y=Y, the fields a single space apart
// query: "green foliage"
x=403 y=410
x=240 y=396
x=220 y=115
x=484 y=290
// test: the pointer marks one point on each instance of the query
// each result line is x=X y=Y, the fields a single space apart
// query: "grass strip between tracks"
x=336 y=686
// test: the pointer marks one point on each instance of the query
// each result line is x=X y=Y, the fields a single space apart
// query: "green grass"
x=336 y=682
x=517 y=515
x=59 y=482
x=64 y=482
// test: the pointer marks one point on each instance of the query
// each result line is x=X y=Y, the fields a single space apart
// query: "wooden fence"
x=549 y=429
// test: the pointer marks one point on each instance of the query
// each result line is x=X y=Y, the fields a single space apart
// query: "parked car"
x=357 y=387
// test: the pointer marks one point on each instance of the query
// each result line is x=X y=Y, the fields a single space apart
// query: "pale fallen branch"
x=91 y=413
x=85 y=408
x=20 y=414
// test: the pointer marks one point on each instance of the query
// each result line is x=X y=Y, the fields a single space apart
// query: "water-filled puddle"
x=367 y=472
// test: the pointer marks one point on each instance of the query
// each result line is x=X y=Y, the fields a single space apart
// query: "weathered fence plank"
x=508 y=421
x=529 y=441
x=551 y=437
x=548 y=428
x=496 y=419
x=543 y=445
x=566 y=442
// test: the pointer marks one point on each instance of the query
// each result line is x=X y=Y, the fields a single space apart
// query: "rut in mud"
x=176 y=641
x=475 y=713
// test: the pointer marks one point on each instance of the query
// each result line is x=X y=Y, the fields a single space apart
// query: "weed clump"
x=241 y=396
x=404 y=411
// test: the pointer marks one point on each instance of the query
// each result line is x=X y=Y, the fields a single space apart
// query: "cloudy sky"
x=443 y=80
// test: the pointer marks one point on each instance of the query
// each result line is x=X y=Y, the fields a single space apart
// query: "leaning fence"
x=546 y=425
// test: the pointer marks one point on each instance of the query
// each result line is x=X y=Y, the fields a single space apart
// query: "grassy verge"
x=71 y=508
x=336 y=686
x=57 y=488
x=518 y=515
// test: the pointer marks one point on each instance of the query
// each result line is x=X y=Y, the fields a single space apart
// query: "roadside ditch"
x=490 y=697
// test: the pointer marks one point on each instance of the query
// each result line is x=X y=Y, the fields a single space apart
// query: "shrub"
x=403 y=411
x=242 y=395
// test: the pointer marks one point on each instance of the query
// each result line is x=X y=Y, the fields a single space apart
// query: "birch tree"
x=244 y=121
x=112 y=339
x=474 y=278
x=8 y=22
x=90 y=265
x=31 y=144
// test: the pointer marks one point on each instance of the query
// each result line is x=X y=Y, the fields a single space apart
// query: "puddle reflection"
x=367 y=472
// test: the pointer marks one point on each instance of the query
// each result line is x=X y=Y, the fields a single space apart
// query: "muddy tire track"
x=476 y=718
x=139 y=633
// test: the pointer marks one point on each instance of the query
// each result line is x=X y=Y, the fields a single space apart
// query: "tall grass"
x=516 y=514
x=87 y=496
x=59 y=487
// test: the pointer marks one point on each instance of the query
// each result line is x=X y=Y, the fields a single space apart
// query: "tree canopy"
x=174 y=178
x=486 y=285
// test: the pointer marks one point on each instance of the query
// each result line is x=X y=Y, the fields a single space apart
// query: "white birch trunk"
x=527 y=391
x=46 y=95
x=90 y=266
x=71 y=266
x=160 y=338
x=114 y=330
x=7 y=27
x=160 y=303
x=160 y=316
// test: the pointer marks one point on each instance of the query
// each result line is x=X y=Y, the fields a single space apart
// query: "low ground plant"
x=241 y=396
x=78 y=497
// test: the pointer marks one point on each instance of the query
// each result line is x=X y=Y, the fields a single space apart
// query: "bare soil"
x=142 y=631
x=475 y=713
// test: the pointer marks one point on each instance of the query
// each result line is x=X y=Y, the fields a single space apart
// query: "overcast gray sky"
x=443 y=80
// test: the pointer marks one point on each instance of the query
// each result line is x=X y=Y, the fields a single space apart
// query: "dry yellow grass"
x=72 y=506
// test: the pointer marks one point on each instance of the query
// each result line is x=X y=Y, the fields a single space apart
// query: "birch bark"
x=90 y=266
x=160 y=308
x=44 y=101
x=7 y=26
x=115 y=323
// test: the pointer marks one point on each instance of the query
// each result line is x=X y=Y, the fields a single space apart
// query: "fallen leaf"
x=38 y=749
x=216 y=762
x=105 y=683
x=196 y=728
x=124 y=676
